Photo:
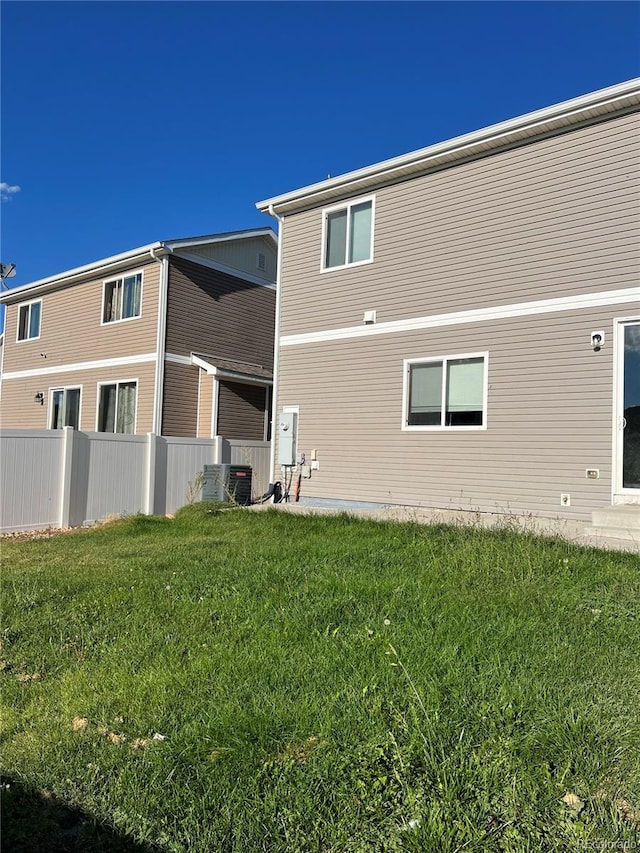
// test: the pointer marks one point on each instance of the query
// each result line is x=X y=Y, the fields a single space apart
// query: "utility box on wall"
x=228 y=483
x=287 y=434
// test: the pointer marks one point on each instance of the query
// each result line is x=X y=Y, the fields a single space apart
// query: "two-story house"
x=173 y=338
x=459 y=327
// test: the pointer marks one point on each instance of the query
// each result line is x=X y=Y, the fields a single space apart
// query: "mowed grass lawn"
x=262 y=681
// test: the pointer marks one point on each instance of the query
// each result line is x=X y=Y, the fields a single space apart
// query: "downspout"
x=156 y=424
x=276 y=346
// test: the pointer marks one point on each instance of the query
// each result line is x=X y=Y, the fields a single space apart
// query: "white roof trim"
x=478 y=143
x=234 y=271
x=236 y=376
x=149 y=252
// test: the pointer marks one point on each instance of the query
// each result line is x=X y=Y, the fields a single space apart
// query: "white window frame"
x=64 y=389
x=117 y=383
x=28 y=305
x=347 y=205
x=121 y=277
x=443 y=359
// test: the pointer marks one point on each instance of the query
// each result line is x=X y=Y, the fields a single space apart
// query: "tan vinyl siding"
x=241 y=411
x=180 y=400
x=20 y=411
x=218 y=314
x=551 y=218
x=205 y=404
x=71 y=328
x=550 y=405
x=241 y=255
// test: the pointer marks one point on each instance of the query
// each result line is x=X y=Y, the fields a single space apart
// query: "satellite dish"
x=7 y=270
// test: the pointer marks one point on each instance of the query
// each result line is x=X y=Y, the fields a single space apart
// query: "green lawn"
x=261 y=681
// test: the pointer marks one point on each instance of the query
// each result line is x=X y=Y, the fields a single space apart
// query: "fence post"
x=66 y=478
x=150 y=478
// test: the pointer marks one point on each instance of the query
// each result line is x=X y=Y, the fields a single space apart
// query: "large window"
x=117 y=407
x=348 y=234
x=29 y=321
x=65 y=408
x=122 y=298
x=445 y=393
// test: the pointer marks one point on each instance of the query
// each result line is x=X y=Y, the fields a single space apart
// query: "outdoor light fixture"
x=39 y=398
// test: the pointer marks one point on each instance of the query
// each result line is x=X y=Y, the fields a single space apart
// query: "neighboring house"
x=459 y=327
x=174 y=338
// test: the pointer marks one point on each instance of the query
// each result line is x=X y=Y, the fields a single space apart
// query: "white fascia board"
x=95 y=268
x=223 y=238
x=477 y=143
x=221 y=373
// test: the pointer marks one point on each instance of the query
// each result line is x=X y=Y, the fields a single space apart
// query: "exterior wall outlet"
x=315 y=465
x=592 y=473
x=565 y=500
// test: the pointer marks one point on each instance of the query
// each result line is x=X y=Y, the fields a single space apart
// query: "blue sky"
x=129 y=122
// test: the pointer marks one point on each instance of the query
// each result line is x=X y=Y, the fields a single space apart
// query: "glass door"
x=629 y=409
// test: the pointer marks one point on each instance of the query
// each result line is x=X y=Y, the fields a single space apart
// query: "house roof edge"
x=477 y=143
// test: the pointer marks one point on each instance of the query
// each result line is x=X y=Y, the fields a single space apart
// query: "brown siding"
x=180 y=400
x=19 y=410
x=241 y=411
x=205 y=404
x=71 y=329
x=552 y=218
x=218 y=314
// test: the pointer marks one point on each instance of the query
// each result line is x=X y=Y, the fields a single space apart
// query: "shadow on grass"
x=35 y=822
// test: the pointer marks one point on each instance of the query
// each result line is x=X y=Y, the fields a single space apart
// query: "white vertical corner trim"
x=215 y=406
x=276 y=347
x=198 y=403
x=156 y=423
x=66 y=478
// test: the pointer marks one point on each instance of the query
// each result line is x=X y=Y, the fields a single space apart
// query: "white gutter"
x=158 y=390
x=276 y=346
x=477 y=143
x=78 y=272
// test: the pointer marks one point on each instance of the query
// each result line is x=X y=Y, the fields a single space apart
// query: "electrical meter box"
x=287 y=434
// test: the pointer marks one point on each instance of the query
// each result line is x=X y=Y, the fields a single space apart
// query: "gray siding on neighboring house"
x=180 y=400
x=552 y=218
x=555 y=218
x=241 y=410
x=241 y=255
x=218 y=314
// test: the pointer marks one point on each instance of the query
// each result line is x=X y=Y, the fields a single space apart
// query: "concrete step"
x=619 y=533
x=624 y=517
x=616 y=522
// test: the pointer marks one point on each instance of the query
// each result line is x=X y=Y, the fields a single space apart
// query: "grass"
x=259 y=681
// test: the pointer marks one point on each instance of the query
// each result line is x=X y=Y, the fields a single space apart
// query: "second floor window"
x=29 y=321
x=348 y=234
x=122 y=298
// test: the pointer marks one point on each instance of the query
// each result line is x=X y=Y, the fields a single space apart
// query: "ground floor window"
x=65 y=408
x=445 y=393
x=117 y=407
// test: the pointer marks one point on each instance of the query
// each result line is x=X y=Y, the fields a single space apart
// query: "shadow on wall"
x=35 y=822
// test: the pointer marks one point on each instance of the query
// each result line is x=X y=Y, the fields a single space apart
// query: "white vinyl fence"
x=67 y=478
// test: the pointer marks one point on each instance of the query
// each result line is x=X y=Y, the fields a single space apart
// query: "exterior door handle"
x=623 y=423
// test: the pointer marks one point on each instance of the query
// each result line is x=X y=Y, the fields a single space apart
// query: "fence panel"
x=30 y=479
x=185 y=458
x=54 y=477
x=115 y=475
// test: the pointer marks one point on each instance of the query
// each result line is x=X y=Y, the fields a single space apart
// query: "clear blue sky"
x=129 y=122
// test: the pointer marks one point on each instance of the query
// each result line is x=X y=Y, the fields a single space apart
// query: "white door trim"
x=620 y=495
